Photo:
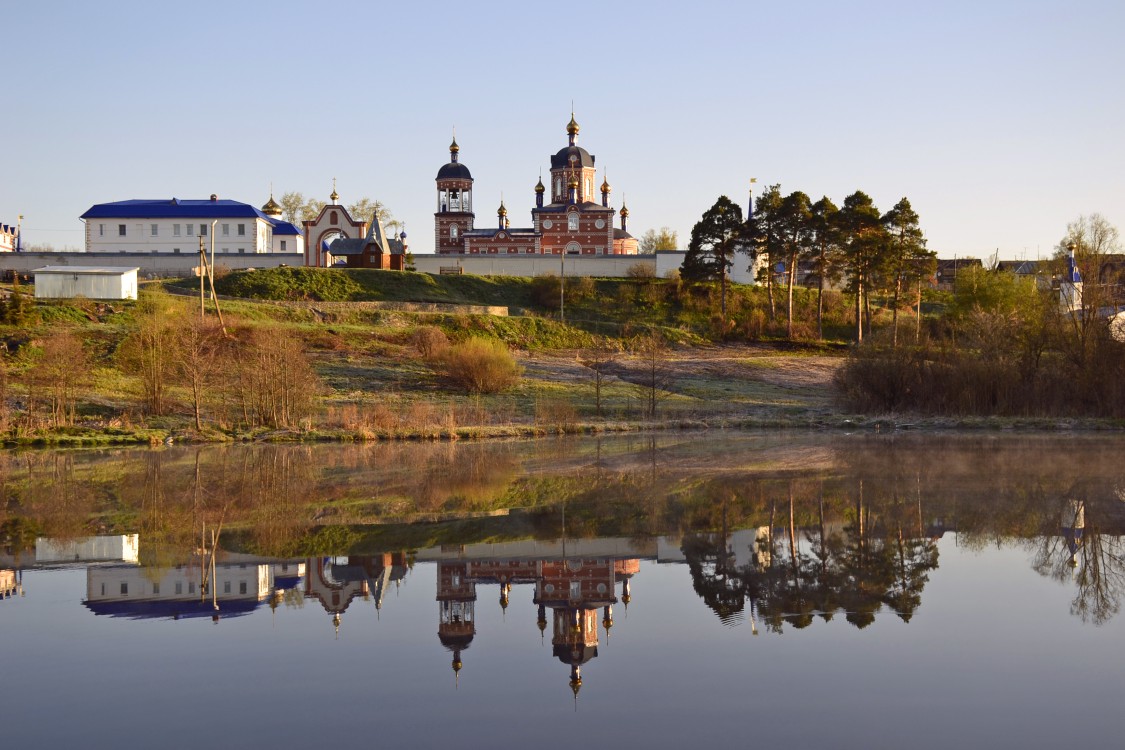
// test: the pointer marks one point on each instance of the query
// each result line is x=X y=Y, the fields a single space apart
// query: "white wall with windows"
x=241 y=235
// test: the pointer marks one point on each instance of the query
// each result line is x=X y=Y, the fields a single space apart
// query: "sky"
x=1000 y=121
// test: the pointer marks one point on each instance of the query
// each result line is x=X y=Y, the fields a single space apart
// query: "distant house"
x=947 y=270
x=1023 y=268
x=91 y=282
x=9 y=238
x=174 y=225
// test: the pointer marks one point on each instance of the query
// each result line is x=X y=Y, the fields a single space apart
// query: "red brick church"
x=573 y=223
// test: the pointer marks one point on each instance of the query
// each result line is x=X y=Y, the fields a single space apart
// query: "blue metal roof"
x=284 y=227
x=173 y=208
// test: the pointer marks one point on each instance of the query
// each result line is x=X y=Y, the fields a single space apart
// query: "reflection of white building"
x=136 y=592
x=9 y=584
x=120 y=548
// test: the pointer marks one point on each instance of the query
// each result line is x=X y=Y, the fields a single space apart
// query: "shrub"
x=545 y=291
x=481 y=366
x=640 y=271
x=430 y=341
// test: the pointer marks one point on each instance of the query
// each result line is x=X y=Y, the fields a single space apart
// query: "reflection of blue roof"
x=172 y=208
x=286 y=582
x=144 y=609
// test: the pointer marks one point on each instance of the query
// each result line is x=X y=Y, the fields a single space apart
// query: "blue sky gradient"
x=1000 y=121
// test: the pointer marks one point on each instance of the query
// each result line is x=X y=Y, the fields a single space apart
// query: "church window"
x=241 y=230
x=453 y=232
x=558 y=186
x=575 y=589
x=283 y=246
x=572 y=222
x=226 y=230
x=120 y=230
x=333 y=218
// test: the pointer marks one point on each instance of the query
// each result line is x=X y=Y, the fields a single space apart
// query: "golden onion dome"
x=573 y=182
x=624 y=210
x=272 y=207
x=335 y=196
x=502 y=211
x=539 y=186
x=572 y=126
x=453 y=147
x=605 y=185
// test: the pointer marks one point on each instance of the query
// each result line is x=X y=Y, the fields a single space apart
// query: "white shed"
x=92 y=282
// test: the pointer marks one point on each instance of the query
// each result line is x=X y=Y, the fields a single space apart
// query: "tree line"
x=872 y=252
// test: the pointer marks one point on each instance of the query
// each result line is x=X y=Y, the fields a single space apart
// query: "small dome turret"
x=539 y=188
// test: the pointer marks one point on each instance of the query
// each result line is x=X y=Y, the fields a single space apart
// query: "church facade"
x=572 y=223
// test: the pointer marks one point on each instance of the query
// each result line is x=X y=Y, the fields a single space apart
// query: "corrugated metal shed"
x=92 y=282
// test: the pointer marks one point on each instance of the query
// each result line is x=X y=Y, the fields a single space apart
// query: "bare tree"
x=149 y=350
x=198 y=345
x=58 y=375
x=656 y=377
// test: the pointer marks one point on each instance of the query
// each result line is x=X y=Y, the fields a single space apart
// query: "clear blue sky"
x=1000 y=121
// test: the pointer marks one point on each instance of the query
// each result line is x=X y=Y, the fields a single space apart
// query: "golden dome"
x=572 y=126
x=335 y=196
x=272 y=208
x=624 y=210
x=605 y=185
x=453 y=147
x=502 y=211
x=573 y=182
x=539 y=186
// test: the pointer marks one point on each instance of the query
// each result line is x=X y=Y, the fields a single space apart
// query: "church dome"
x=272 y=208
x=562 y=159
x=539 y=187
x=454 y=170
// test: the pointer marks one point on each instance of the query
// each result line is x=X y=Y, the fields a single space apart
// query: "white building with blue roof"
x=175 y=226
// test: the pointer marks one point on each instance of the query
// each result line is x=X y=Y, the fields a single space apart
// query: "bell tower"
x=454 y=215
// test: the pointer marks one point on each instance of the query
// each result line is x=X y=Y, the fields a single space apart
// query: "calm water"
x=842 y=590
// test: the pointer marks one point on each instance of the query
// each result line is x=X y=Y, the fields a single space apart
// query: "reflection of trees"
x=876 y=556
x=1076 y=547
x=713 y=575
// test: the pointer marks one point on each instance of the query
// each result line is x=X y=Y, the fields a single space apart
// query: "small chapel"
x=573 y=222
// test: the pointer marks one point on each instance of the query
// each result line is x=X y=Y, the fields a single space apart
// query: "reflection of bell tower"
x=575 y=590
x=456 y=594
x=575 y=640
x=454 y=214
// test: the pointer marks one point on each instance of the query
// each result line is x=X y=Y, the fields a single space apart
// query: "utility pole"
x=202 y=272
x=562 y=283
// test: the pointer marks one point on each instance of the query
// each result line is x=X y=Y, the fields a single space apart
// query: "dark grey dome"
x=454 y=171
x=562 y=158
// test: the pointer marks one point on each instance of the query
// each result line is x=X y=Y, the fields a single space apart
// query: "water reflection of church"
x=573 y=589
x=336 y=584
